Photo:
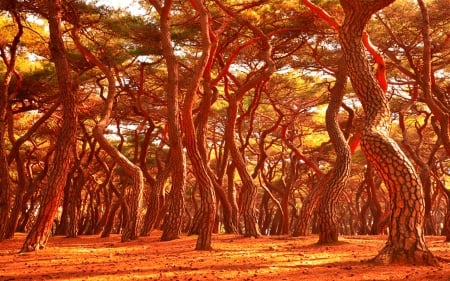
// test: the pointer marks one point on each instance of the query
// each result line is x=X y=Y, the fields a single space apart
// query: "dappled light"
x=233 y=258
x=224 y=140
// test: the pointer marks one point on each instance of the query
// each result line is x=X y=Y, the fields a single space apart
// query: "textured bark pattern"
x=174 y=215
x=64 y=147
x=310 y=204
x=406 y=242
x=194 y=145
x=172 y=222
x=155 y=202
x=249 y=189
x=328 y=229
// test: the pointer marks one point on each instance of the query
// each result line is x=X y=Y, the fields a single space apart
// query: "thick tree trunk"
x=65 y=144
x=328 y=228
x=406 y=243
x=173 y=220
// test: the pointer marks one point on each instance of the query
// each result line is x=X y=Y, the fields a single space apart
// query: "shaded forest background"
x=210 y=116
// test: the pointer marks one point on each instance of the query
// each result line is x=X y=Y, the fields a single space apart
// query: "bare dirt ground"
x=233 y=258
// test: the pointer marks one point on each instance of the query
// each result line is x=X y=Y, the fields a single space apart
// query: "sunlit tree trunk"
x=328 y=228
x=199 y=165
x=173 y=221
x=65 y=144
x=249 y=192
x=406 y=243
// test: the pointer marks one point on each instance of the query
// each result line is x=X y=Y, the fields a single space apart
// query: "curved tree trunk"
x=173 y=220
x=328 y=228
x=155 y=198
x=199 y=165
x=130 y=232
x=155 y=201
x=65 y=144
x=249 y=189
x=406 y=243
x=4 y=116
x=309 y=205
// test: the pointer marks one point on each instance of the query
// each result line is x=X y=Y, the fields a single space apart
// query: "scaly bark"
x=173 y=221
x=406 y=243
x=328 y=228
x=199 y=165
x=65 y=143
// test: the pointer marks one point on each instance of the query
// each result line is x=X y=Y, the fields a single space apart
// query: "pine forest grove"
x=259 y=117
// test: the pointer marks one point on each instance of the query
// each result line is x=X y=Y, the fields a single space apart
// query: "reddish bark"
x=406 y=243
x=64 y=147
x=173 y=220
x=5 y=115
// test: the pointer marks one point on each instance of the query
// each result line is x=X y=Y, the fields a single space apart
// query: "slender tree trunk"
x=4 y=116
x=406 y=243
x=310 y=203
x=74 y=208
x=65 y=144
x=110 y=220
x=155 y=202
x=23 y=185
x=328 y=228
x=249 y=189
x=232 y=195
x=174 y=216
x=372 y=200
x=130 y=232
x=199 y=165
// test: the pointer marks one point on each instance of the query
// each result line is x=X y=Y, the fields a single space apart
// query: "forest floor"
x=233 y=258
